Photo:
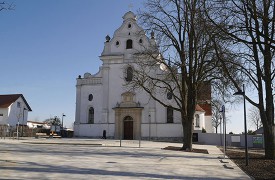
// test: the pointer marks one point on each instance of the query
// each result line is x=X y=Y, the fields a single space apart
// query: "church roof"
x=207 y=108
x=198 y=108
x=8 y=99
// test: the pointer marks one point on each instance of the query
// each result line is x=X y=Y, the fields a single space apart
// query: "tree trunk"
x=188 y=119
x=268 y=126
x=269 y=142
x=187 y=134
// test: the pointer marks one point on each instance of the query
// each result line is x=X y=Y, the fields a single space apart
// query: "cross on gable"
x=130 y=6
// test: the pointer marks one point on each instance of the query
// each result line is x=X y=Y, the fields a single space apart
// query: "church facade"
x=103 y=104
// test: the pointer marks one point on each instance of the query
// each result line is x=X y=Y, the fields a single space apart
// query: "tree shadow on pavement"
x=29 y=167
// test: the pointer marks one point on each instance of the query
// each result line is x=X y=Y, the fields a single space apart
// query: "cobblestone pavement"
x=105 y=159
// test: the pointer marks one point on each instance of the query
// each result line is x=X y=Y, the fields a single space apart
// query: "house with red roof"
x=13 y=110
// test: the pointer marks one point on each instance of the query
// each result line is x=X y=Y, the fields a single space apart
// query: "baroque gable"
x=129 y=38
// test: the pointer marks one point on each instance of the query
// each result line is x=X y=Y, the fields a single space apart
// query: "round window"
x=169 y=95
x=117 y=43
x=129 y=25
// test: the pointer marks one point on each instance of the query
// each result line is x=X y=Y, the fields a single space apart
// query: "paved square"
x=104 y=159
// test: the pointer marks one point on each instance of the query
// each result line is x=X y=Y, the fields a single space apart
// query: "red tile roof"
x=8 y=99
x=207 y=108
x=198 y=108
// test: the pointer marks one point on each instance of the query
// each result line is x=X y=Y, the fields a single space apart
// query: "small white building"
x=36 y=124
x=103 y=103
x=13 y=110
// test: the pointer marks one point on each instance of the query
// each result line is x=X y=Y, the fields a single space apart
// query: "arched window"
x=91 y=116
x=197 y=120
x=170 y=118
x=91 y=97
x=129 y=74
x=129 y=44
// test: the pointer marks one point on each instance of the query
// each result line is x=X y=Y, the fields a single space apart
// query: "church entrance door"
x=128 y=128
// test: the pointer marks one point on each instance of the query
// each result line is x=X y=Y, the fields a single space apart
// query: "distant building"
x=13 y=110
x=36 y=124
x=103 y=104
x=261 y=130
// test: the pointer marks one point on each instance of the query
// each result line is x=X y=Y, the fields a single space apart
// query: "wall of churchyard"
x=238 y=140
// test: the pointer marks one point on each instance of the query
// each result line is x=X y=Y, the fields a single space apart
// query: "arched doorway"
x=128 y=127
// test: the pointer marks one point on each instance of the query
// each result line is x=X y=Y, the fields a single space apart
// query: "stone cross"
x=130 y=6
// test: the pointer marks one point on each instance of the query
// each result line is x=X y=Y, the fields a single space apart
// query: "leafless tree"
x=248 y=26
x=53 y=121
x=6 y=6
x=216 y=115
x=18 y=115
x=181 y=64
x=254 y=117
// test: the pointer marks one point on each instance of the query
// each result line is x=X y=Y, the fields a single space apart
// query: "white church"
x=104 y=104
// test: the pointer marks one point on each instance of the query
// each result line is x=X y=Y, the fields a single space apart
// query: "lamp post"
x=221 y=129
x=62 y=129
x=224 y=130
x=240 y=92
x=62 y=120
x=149 y=118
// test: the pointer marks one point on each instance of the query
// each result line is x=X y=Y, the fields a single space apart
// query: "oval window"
x=169 y=95
x=91 y=97
x=129 y=25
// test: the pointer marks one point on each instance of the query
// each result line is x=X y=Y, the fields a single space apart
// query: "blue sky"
x=46 y=44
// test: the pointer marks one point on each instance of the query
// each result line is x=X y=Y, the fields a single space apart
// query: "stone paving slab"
x=105 y=159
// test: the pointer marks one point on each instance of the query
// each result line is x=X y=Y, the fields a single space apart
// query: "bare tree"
x=254 y=117
x=249 y=28
x=6 y=6
x=53 y=121
x=180 y=66
x=216 y=115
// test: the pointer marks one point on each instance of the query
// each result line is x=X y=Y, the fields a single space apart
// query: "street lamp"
x=63 y=115
x=149 y=118
x=240 y=92
x=224 y=129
